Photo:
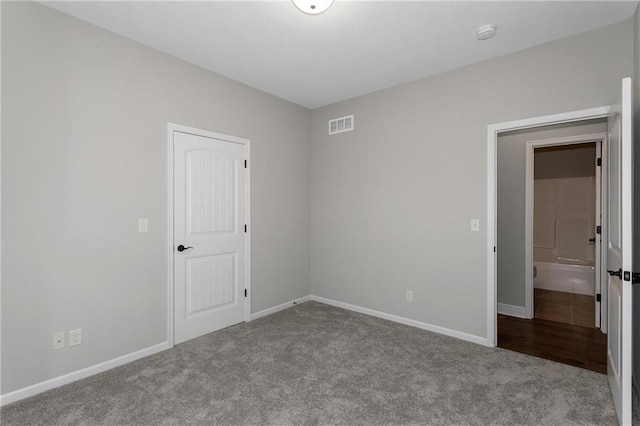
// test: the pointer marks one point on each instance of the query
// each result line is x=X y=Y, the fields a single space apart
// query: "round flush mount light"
x=486 y=32
x=313 y=7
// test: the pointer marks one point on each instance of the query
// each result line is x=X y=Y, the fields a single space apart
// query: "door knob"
x=617 y=273
x=182 y=248
x=592 y=240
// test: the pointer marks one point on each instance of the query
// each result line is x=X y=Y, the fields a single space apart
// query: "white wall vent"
x=342 y=124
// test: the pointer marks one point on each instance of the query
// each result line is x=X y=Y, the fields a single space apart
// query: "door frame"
x=492 y=141
x=529 y=204
x=171 y=129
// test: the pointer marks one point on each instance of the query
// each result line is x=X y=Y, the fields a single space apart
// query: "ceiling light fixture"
x=312 y=7
x=486 y=32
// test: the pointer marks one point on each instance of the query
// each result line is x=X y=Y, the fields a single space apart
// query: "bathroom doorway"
x=564 y=220
x=549 y=213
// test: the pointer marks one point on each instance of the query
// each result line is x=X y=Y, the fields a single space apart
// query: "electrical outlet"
x=409 y=296
x=58 y=340
x=475 y=225
x=75 y=337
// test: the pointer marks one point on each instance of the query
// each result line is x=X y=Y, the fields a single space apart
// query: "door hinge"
x=245 y=227
x=494 y=249
x=245 y=292
x=598 y=229
x=598 y=297
x=245 y=164
x=599 y=162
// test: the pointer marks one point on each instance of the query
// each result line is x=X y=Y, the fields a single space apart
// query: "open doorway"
x=548 y=263
x=564 y=201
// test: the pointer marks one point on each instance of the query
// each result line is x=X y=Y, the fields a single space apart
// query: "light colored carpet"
x=316 y=364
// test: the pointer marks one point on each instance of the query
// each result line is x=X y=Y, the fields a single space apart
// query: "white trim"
x=492 y=236
x=512 y=310
x=0 y=185
x=171 y=128
x=81 y=374
x=492 y=139
x=406 y=321
x=528 y=230
x=604 y=235
x=280 y=307
x=528 y=212
x=598 y=237
x=626 y=199
x=169 y=247
x=247 y=220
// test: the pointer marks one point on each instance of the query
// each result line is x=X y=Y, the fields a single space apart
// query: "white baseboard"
x=402 y=320
x=511 y=310
x=80 y=374
x=274 y=309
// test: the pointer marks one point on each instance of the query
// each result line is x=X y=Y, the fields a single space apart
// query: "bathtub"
x=568 y=277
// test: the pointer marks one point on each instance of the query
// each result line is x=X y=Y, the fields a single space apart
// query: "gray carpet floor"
x=316 y=364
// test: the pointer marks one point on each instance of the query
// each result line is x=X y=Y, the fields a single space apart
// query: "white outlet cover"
x=75 y=337
x=475 y=225
x=58 y=340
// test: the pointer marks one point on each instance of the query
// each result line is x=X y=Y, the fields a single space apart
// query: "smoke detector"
x=312 y=7
x=486 y=32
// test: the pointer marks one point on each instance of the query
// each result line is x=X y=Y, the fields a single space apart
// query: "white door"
x=619 y=256
x=210 y=243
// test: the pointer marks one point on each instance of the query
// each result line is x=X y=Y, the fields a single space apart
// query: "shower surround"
x=564 y=234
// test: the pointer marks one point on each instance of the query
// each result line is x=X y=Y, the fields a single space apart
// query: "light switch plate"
x=143 y=225
x=475 y=225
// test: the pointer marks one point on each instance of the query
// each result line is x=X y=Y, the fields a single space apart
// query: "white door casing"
x=493 y=130
x=604 y=237
x=598 y=236
x=619 y=249
x=210 y=253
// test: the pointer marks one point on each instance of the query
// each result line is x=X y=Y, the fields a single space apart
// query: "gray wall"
x=636 y=289
x=84 y=151
x=565 y=162
x=391 y=200
x=511 y=201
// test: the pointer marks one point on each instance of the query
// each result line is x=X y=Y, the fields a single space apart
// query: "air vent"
x=342 y=124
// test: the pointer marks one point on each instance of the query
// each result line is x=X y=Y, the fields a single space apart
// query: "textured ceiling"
x=354 y=48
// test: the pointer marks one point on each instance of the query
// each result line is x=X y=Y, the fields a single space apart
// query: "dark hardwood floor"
x=584 y=347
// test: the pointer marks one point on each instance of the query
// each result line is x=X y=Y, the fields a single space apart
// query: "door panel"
x=211 y=283
x=619 y=251
x=209 y=218
x=210 y=192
